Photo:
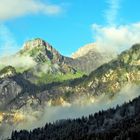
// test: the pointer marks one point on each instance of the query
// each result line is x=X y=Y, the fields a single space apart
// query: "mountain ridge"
x=108 y=79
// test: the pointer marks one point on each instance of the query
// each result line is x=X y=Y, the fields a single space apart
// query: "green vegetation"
x=46 y=78
x=8 y=70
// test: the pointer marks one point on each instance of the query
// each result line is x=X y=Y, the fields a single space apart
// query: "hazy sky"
x=66 y=24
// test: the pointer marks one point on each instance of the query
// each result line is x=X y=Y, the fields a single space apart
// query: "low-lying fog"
x=52 y=114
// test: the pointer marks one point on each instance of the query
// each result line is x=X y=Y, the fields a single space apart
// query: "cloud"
x=116 y=38
x=129 y=92
x=112 y=11
x=8 y=44
x=8 y=47
x=24 y=62
x=16 y=8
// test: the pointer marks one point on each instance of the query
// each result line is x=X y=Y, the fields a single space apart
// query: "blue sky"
x=67 y=25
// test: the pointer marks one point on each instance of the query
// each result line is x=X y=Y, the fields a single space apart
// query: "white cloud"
x=114 y=37
x=8 y=45
x=112 y=11
x=117 y=38
x=16 y=8
x=24 y=62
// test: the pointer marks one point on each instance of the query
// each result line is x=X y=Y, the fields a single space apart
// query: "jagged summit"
x=36 y=43
x=41 y=51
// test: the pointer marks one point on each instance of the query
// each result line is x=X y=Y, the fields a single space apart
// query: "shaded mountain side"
x=120 y=123
x=108 y=79
x=44 y=74
x=89 y=58
x=91 y=61
x=17 y=92
x=13 y=87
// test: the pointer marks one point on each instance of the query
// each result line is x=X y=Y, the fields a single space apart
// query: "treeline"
x=121 y=123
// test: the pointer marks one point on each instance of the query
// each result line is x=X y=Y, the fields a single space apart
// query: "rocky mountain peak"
x=38 y=43
x=41 y=51
x=34 y=43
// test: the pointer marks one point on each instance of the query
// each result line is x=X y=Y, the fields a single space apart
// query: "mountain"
x=41 y=51
x=50 y=80
x=36 y=68
x=121 y=123
x=108 y=79
x=50 y=64
x=90 y=57
x=32 y=70
x=40 y=63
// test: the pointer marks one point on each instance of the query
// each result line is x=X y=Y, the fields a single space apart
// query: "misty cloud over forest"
x=51 y=114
